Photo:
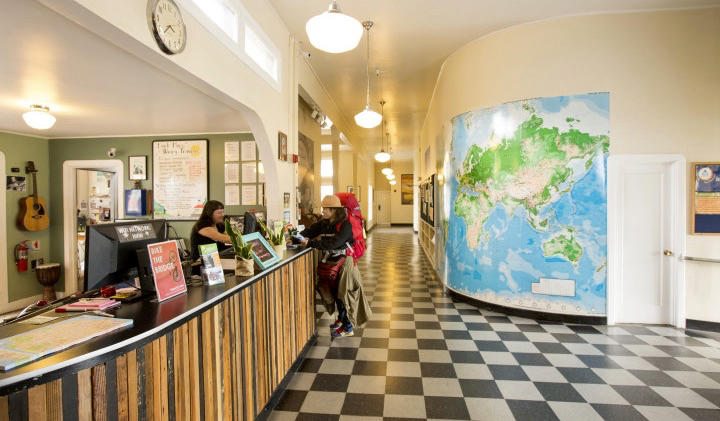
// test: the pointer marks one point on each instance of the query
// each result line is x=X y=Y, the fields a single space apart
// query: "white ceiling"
x=97 y=89
x=409 y=42
x=93 y=87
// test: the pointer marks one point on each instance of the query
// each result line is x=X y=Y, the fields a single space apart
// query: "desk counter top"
x=151 y=319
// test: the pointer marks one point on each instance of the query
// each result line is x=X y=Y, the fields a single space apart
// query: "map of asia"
x=525 y=221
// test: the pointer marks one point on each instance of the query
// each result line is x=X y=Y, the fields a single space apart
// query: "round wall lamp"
x=39 y=117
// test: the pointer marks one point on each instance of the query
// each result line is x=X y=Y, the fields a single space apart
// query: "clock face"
x=167 y=26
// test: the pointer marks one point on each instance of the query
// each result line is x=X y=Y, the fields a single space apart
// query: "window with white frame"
x=233 y=26
x=326 y=168
x=326 y=190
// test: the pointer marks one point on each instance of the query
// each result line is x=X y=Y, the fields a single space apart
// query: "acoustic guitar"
x=33 y=215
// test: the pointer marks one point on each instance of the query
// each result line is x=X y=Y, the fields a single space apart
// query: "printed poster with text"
x=166 y=266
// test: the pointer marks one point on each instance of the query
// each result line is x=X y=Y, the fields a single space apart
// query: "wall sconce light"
x=39 y=117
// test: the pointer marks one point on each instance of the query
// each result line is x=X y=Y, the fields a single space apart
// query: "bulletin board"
x=180 y=178
x=706 y=198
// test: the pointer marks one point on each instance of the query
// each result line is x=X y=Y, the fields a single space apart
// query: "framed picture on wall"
x=137 y=167
x=282 y=146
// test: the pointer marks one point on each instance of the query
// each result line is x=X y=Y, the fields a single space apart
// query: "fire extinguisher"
x=21 y=257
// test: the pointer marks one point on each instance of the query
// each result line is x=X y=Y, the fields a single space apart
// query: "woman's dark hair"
x=338 y=215
x=210 y=207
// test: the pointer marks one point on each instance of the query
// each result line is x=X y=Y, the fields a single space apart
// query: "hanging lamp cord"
x=367 y=67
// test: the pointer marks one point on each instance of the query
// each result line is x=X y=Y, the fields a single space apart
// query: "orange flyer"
x=167 y=269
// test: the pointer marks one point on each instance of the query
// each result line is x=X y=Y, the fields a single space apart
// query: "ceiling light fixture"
x=382 y=156
x=368 y=118
x=390 y=176
x=332 y=31
x=387 y=171
x=393 y=182
x=39 y=117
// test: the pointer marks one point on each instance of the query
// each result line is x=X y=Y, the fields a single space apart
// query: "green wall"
x=18 y=150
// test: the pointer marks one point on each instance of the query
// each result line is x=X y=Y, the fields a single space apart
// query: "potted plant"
x=276 y=237
x=243 y=252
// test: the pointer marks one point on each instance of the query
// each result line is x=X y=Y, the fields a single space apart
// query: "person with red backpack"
x=339 y=281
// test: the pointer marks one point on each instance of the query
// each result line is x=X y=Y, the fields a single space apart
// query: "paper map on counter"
x=29 y=346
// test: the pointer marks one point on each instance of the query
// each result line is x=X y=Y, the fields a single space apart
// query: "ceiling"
x=409 y=42
x=94 y=88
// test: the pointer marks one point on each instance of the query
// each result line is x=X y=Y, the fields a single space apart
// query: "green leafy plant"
x=242 y=249
x=276 y=237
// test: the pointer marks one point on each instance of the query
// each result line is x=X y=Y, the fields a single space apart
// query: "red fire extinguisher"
x=21 y=257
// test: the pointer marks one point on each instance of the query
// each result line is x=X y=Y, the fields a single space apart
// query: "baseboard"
x=531 y=314
x=401 y=225
x=702 y=325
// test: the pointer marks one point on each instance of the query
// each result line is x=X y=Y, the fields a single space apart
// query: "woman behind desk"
x=209 y=229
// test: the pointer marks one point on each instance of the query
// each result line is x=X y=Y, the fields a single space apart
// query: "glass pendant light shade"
x=390 y=176
x=368 y=118
x=387 y=171
x=393 y=182
x=39 y=117
x=333 y=31
x=382 y=156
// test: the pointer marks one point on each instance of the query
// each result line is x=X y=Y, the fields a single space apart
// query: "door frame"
x=678 y=221
x=70 y=211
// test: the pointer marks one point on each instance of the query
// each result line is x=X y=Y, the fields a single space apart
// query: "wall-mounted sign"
x=706 y=198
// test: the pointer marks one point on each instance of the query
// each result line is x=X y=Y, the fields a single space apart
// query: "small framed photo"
x=282 y=147
x=137 y=167
x=351 y=189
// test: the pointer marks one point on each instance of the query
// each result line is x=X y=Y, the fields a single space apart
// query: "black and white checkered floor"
x=423 y=355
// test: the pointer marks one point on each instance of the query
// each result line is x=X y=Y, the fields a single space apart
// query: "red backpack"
x=356 y=219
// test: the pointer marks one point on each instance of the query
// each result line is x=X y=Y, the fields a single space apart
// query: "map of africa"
x=525 y=223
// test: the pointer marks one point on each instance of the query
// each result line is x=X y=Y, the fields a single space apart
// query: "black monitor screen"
x=251 y=224
x=110 y=250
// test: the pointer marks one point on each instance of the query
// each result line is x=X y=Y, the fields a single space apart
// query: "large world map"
x=526 y=207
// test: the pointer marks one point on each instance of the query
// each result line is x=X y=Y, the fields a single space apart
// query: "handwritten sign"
x=180 y=178
x=167 y=269
x=130 y=233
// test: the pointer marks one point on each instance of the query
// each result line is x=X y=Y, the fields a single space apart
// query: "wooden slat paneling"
x=223 y=364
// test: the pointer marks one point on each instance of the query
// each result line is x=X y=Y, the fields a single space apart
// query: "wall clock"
x=167 y=25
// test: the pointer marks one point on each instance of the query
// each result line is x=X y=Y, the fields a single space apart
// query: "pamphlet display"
x=706 y=198
x=167 y=269
x=263 y=254
x=212 y=265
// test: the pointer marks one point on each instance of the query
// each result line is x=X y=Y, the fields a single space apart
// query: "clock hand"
x=169 y=27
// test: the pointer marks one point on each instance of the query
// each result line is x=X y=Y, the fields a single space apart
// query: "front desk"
x=215 y=353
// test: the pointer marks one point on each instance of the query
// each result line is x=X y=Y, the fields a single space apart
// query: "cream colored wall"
x=346 y=171
x=399 y=213
x=661 y=70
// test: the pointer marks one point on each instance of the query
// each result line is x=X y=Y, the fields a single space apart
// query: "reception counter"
x=215 y=353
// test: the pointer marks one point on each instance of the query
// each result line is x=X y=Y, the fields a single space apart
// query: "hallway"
x=423 y=355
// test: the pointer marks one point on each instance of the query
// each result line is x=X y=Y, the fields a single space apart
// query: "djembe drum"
x=48 y=275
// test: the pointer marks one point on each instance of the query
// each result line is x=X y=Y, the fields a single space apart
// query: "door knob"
x=667 y=253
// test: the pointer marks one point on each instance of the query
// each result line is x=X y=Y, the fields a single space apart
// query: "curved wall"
x=660 y=70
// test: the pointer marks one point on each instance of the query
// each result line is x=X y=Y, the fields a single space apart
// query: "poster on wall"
x=180 y=178
x=406 y=189
x=525 y=192
x=706 y=198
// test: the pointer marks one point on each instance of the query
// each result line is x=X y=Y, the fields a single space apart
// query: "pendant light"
x=387 y=171
x=333 y=31
x=388 y=167
x=382 y=156
x=39 y=117
x=368 y=118
x=390 y=176
x=393 y=182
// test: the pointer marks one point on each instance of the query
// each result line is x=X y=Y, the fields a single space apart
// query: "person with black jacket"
x=209 y=229
x=333 y=235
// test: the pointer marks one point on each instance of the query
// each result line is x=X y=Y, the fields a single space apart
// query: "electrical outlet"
x=35 y=262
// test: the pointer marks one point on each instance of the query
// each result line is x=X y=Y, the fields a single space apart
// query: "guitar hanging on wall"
x=33 y=213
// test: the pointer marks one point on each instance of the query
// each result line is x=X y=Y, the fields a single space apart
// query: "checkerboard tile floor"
x=423 y=355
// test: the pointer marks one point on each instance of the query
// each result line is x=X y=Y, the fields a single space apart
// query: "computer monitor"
x=111 y=250
x=251 y=224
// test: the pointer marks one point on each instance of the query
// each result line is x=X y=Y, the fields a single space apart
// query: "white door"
x=383 y=207
x=646 y=239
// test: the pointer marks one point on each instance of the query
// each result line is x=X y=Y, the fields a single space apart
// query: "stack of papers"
x=88 y=304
